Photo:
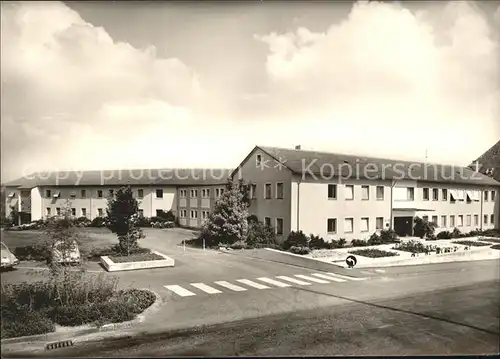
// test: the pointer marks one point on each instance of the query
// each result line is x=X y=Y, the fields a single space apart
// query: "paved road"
x=461 y=320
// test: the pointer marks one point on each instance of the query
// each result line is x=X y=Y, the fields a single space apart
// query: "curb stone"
x=38 y=342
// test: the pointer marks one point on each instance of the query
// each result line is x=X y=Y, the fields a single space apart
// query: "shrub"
x=444 y=235
x=472 y=243
x=337 y=244
x=373 y=253
x=423 y=228
x=413 y=247
x=98 y=222
x=495 y=246
x=494 y=232
x=317 y=242
x=456 y=233
x=32 y=253
x=374 y=239
x=259 y=235
x=252 y=219
x=359 y=243
x=299 y=250
x=388 y=236
x=295 y=239
x=27 y=323
x=239 y=245
x=143 y=221
x=82 y=222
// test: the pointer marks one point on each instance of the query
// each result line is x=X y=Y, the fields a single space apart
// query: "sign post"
x=203 y=243
x=351 y=261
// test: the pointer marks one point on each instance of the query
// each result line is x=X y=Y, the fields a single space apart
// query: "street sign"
x=351 y=261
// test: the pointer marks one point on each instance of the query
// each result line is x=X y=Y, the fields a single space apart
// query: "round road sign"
x=351 y=261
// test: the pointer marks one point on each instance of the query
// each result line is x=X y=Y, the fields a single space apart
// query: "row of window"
x=83 y=212
x=268 y=190
x=349 y=192
x=443 y=223
x=331 y=224
x=205 y=193
x=193 y=214
x=278 y=224
x=461 y=194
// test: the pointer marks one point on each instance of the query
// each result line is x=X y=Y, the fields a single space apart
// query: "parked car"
x=65 y=253
x=9 y=260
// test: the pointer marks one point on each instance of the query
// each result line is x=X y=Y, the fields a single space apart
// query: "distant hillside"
x=489 y=161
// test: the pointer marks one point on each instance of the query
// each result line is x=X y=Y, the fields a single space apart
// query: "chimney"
x=297 y=147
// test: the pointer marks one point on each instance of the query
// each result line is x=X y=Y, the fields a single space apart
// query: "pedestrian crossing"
x=261 y=283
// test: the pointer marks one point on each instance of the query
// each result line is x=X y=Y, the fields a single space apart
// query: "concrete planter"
x=114 y=267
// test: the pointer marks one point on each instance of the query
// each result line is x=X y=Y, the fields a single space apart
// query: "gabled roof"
x=353 y=166
x=167 y=177
x=489 y=161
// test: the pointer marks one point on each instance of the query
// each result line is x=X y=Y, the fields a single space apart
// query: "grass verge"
x=472 y=243
x=373 y=253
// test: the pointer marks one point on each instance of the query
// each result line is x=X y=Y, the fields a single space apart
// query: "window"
x=476 y=220
x=492 y=195
x=435 y=220
x=279 y=190
x=84 y=212
x=348 y=225
x=159 y=212
x=83 y=193
x=485 y=196
x=194 y=193
x=267 y=221
x=58 y=211
x=380 y=193
x=452 y=221
x=99 y=211
x=267 y=193
x=159 y=193
x=468 y=219
x=253 y=190
x=111 y=193
x=492 y=219
x=72 y=195
x=48 y=211
x=485 y=219
x=279 y=226
x=48 y=193
x=332 y=191
x=194 y=214
x=205 y=193
x=204 y=215
x=443 y=221
x=99 y=193
x=365 y=193
x=258 y=160
x=426 y=194
x=182 y=193
x=379 y=223
x=183 y=213
x=460 y=220
x=73 y=211
x=331 y=225
x=435 y=194
x=365 y=224
x=425 y=218
x=349 y=192
x=410 y=193
x=444 y=194
x=219 y=192
x=140 y=193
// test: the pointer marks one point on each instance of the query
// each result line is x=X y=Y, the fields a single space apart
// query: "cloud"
x=61 y=73
x=389 y=74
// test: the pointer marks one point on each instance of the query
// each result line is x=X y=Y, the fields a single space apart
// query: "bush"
x=444 y=235
x=259 y=235
x=495 y=246
x=95 y=254
x=337 y=244
x=456 y=233
x=27 y=323
x=32 y=253
x=299 y=250
x=295 y=239
x=252 y=219
x=413 y=247
x=495 y=232
x=239 y=245
x=472 y=243
x=388 y=236
x=317 y=242
x=98 y=222
x=143 y=221
x=359 y=243
x=423 y=228
x=374 y=239
x=373 y=253
x=82 y=222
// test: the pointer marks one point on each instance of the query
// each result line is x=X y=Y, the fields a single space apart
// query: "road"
x=461 y=320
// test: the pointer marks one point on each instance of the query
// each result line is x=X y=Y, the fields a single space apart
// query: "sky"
x=118 y=85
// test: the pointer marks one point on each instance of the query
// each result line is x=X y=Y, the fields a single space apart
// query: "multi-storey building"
x=344 y=196
x=189 y=193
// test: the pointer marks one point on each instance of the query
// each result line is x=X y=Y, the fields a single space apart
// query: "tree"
x=14 y=216
x=423 y=228
x=228 y=221
x=123 y=217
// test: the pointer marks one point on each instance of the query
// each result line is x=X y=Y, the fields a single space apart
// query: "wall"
x=272 y=173
x=197 y=203
x=315 y=207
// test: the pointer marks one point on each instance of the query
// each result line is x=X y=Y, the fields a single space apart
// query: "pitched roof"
x=329 y=165
x=172 y=177
x=489 y=160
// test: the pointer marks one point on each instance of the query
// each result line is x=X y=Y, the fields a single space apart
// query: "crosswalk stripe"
x=293 y=280
x=274 y=282
x=228 y=285
x=252 y=284
x=345 y=277
x=328 y=277
x=311 y=279
x=206 y=288
x=177 y=289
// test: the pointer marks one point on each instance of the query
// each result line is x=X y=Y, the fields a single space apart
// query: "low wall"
x=115 y=267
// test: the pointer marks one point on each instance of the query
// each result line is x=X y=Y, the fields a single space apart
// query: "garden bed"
x=35 y=308
x=140 y=257
x=136 y=261
x=472 y=243
x=496 y=246
x=414 y=247
x=373 y=253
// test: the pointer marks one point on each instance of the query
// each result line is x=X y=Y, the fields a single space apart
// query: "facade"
x=87 y=192
x=342 y=196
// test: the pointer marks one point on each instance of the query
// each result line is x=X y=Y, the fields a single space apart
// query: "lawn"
x=373 y=253
x=472 y=243
x=140 y=257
